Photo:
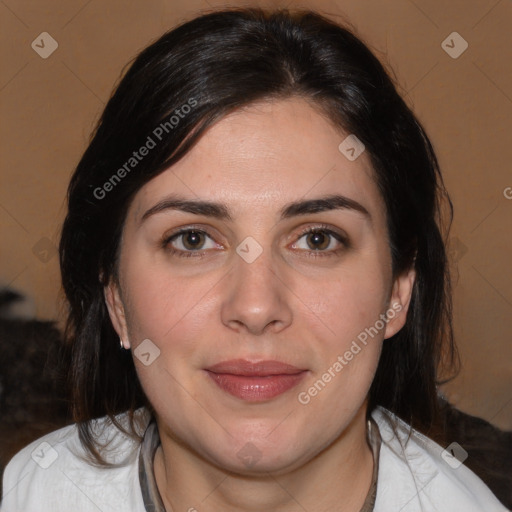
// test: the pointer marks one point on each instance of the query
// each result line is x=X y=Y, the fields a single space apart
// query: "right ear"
x=116 y=311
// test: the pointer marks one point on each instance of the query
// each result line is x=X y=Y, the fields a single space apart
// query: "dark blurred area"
x=489 y=449
x=33 y=400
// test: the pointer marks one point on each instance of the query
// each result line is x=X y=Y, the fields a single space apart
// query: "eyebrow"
x=221 y=211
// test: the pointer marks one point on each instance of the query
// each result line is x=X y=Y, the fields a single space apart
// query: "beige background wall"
x=49 y=106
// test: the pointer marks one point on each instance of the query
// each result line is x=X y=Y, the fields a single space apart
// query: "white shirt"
x=50 y=475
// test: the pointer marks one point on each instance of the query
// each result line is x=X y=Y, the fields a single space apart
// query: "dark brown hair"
x=220 y=62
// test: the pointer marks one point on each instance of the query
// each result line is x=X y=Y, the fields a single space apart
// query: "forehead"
x=266 y=155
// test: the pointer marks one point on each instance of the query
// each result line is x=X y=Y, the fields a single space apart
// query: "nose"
x=256 y=299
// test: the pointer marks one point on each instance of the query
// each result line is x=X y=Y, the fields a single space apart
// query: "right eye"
x=189 y=242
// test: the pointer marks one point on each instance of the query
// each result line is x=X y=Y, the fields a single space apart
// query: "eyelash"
x=166 y=242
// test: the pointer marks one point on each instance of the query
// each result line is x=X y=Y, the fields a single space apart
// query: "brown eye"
x=189 y=242
x=193 y=240
x=321 y=241
x=318 y=241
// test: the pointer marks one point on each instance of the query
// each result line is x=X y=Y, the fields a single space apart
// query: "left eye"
x=318 y=240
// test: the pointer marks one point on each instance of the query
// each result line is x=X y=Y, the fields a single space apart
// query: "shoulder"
x=55 y=474
x=417 y=474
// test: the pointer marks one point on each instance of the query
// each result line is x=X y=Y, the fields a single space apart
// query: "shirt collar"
x=150 y=494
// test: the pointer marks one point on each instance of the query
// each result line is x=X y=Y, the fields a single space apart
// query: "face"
x=258 y=271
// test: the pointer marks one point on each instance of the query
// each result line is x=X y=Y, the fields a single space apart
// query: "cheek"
x=343 y=306
x=160 y=303
x=174 y=313
x=343 y=317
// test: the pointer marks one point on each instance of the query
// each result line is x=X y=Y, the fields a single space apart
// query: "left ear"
x=399 y=302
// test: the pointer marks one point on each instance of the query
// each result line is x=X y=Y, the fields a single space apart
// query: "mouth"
x=255 y=382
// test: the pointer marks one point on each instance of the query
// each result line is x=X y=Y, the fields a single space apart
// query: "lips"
x=255 y=382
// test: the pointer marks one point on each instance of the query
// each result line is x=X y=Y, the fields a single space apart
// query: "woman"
x=257 y=283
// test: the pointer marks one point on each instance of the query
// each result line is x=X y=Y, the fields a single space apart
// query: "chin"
x=251 y=461
x=253 y=454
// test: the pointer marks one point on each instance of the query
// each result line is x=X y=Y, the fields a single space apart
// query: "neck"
x=338 y=478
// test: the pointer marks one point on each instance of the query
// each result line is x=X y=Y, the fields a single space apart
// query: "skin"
x=287 y=305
